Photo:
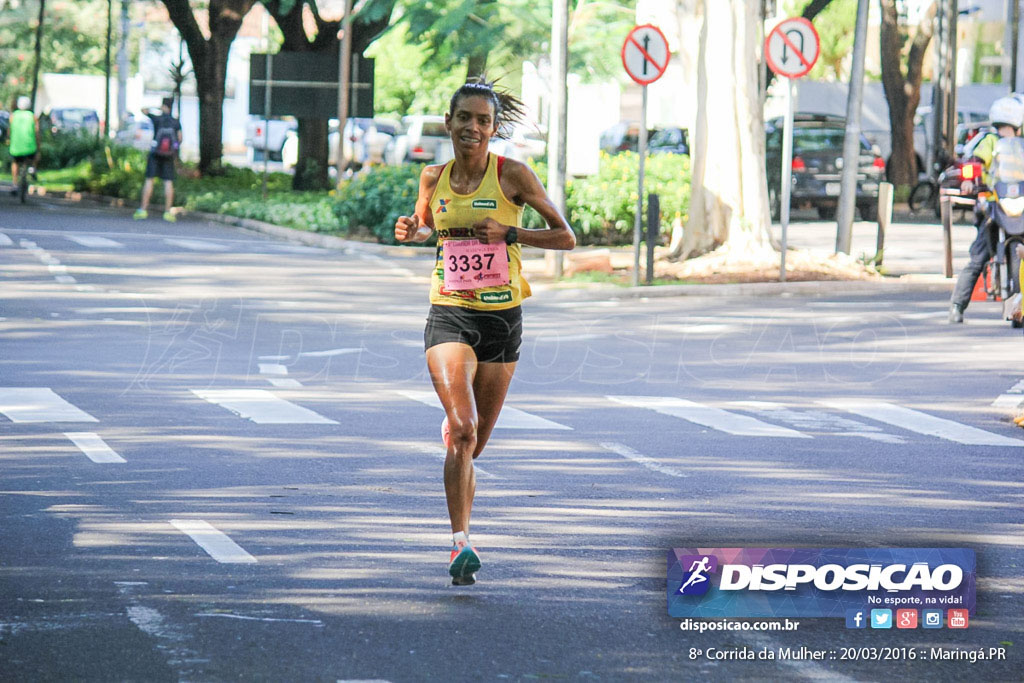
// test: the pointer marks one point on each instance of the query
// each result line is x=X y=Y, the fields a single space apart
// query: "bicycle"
x=22 y=182
x=925 y=194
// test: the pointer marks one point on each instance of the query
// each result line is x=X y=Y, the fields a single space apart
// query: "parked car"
x=420 y=139
x=365 y=140
x=5 y=125
x=624 y=136
x=74 y=120
x=671 y=140
x=526 y=142
x=268 y=134
x=137 y=132
x=817 y=165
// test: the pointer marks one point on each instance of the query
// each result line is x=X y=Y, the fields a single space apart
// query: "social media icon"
x=856 y=618
x=906 y=618
x=958 y=618
x=931 y=618
x=881 y=618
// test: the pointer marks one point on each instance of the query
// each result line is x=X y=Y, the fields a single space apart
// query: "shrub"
x=301 y=210
x=373 y=201
x=61 y=150
x=114 y=171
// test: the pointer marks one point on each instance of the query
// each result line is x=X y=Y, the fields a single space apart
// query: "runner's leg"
x=490 y=387
x=452 y=367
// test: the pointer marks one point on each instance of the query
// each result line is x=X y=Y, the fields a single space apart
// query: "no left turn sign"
x=645 y=54
x=792 y=47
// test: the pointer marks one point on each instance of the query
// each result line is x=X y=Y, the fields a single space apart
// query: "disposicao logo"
x=809 y=582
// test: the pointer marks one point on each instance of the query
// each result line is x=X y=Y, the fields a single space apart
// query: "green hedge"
x=60 y=150
x=372 y=202
x=301 y=210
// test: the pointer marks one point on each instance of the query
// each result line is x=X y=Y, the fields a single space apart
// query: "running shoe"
x=170 y=217
x=464 y=564
x=446 y=433
x=140 y=214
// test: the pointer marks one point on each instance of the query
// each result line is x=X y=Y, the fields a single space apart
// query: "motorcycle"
x=1004 y=209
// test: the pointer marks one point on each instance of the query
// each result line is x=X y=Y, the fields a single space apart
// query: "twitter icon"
x=881 y=618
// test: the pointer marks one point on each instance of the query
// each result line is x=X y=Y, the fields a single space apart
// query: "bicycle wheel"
x=922 y=196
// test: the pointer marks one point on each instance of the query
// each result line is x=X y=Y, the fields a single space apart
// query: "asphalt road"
x=220 y=460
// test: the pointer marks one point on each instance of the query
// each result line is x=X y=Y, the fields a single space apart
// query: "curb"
x=907 y=284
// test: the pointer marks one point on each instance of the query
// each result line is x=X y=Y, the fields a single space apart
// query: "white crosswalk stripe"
x=39 y=404
x=922 y=423
x=261 y=406
x=709 y=416
x=1012 y=399
x=95 y=241
x=510 y=418
x=5 y=241
x=216 y=543
x=195 y=245
x=94 y=447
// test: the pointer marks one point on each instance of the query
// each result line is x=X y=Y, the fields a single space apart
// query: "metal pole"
x=653 y=230
x=106 y=72
x=938 y=98
x=851 y=143
x=951 y=117
x=884 y=220
x=558 y=118
x=642 y=153
x=1018 y=49
x=344 y=78
x=786 y=188
x=38 y=52
x=122 y=66
x=266 y=119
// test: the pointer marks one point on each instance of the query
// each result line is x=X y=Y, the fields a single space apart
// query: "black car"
x=671 y=140
x=817 y=166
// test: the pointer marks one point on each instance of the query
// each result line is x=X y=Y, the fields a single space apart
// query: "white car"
x=423 y=139
x=526 y=142
x=365 y=141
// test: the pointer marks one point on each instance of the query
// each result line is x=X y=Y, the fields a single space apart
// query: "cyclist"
x=473 y=332
x=1007 y=116
x=24 y=139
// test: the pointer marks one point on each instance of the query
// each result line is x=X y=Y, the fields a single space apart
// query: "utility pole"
x=344 y=78
x=122 y=67
x=851 y=143
x=558 y=116
x=38 y=52
x=105 y=131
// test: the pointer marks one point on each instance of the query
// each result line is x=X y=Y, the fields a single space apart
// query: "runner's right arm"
x=419 y=226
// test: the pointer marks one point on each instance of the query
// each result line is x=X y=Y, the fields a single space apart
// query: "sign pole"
x=787 y=173
x=637 y=229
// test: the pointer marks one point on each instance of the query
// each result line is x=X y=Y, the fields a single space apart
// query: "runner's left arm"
x=522 y=186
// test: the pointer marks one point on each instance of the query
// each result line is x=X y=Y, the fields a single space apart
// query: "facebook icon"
x=856 y=618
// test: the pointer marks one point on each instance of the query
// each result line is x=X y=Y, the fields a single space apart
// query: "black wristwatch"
x=512 y=236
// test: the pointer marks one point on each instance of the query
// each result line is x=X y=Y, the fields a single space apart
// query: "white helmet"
x=24 y=102
x=1007 y=111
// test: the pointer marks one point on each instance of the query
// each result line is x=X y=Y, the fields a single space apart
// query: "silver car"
x=422 y=139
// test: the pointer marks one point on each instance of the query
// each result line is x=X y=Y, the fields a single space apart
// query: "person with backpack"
x=162 y=154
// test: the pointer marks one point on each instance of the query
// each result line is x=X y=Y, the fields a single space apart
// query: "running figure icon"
x=697 y=573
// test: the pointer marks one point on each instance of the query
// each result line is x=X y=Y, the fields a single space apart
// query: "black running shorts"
x=160 y=167
x=495 y=336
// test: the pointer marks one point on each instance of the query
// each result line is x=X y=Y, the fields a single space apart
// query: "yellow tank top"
x=454 y=215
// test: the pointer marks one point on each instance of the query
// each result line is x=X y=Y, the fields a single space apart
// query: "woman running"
x=474 y=328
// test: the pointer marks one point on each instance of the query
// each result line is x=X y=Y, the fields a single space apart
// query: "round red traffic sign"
x=792 y=47
x=645 y=54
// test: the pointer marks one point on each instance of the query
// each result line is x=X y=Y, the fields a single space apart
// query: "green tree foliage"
x=73 y=42
x=835 y=25
x=408 y=80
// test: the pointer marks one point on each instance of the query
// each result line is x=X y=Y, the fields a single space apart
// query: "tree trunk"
x=729 y=195
x=311 y=169
x=903 y=92
x=209 y=62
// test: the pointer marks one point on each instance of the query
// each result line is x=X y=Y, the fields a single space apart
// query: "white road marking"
x=273 y=369
x=94 y=447
x=95 y=241
x=441 y=453
x=57 y=268
x=284 y=382
x=641 y=459
x=546 y=337
x=65 y=279
x=715 y=418
x=195 y=245
x=274 y=357
x=48 y=260
x=315 y=622
x=818 y=420
x=27 y=244
x=5 y=241
x=510 y=418
x=924 y=316
x=261 y=406
x=39 y=404
x=215 y=542
x=1012 y=399
x=330 y=352
x=922 y=423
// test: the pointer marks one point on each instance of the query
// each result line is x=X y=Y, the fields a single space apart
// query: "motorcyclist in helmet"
x=1007 y=116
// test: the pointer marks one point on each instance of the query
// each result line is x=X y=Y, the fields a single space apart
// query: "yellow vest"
x=454 y=216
